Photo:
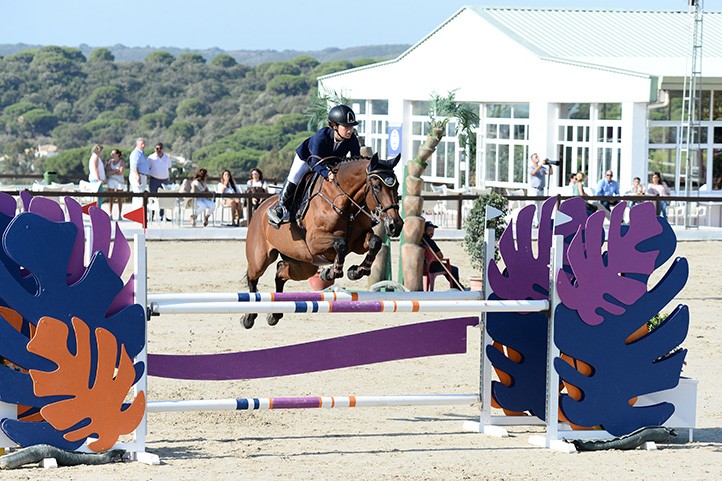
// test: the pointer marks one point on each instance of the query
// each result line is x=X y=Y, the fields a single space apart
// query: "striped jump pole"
x=319 y=402
x=314 y=296
x=447 y=306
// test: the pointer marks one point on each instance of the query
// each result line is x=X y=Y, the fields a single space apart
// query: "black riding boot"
x=279 y=213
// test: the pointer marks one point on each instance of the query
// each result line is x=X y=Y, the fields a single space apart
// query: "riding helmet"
x=342 y=115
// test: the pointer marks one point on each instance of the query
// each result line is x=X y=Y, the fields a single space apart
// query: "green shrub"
x=475 y=225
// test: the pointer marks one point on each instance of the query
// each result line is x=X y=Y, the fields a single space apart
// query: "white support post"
x=552 y=439
x=140 y=267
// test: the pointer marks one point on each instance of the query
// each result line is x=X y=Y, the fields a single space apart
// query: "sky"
x=255 y=24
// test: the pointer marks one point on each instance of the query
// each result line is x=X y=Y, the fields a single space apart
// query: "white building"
x=596 y=89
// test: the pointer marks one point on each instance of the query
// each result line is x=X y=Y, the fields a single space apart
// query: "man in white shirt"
x=159 y=167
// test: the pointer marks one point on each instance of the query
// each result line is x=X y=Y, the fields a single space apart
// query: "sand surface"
x=380 y=443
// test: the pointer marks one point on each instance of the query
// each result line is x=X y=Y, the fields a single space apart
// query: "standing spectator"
x=116 y=180
x=659 y=187
x=159 y=168
x=138 y=169
x=203 y=207
x=538 y=172
x=255 y=185
x=96 y=168
x=228 y=186
x=608 y=187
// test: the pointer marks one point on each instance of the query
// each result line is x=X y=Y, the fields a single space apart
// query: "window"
x=506 y=144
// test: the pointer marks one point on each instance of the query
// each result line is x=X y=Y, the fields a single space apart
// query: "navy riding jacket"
x=321 y=146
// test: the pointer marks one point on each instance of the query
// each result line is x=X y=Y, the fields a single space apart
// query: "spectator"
x=203 y=207
x=96 y=168
x=428 y=242
x=538 y=172
x=228 y=186
x=256 y=185
x=116 y=180
x=139 y=171
x=159 y=170
x=637 y=188
x=659 y=188
x=578 y=190
x=608 y=187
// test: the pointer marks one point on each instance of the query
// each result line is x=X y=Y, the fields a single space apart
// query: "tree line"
x=220 y=114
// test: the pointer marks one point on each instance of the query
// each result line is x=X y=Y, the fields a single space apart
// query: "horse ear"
x=396 y=160
x=374 y=161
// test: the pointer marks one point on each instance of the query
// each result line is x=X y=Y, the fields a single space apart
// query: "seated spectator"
x=578 y=190
x=637 y=187
x=255 y=185
x=436 y=266
x=659 y=187
x=228 y=186
x=608 y=187
x=203 y=207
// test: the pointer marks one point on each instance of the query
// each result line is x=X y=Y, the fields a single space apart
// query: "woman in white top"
x=116 y=180
x=256 y=184
x=228 y=186
x=96 y=169
x=203 y=207
x=659 y=187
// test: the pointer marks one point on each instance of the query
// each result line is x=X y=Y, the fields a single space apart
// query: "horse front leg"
x=336 y=270
x=357 y=272
x=250 y=318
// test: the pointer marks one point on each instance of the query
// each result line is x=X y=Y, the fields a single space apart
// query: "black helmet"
x=342 y=115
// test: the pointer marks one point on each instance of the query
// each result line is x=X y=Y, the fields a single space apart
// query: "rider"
x=336 y=140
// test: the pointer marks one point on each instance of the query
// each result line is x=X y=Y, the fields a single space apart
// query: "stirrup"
x=274 y=219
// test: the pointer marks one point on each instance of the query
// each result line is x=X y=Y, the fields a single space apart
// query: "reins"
x=375 y=216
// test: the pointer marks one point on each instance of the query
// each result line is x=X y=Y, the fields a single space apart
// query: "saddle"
x=302 y=197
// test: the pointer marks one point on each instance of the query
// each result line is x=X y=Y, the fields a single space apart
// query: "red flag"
x=86 y=207
x=137 y=215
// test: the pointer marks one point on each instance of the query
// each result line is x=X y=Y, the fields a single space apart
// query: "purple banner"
x=434 y=338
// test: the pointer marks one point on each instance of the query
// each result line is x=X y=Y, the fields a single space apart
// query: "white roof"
x=653 y=42
x=636 y=43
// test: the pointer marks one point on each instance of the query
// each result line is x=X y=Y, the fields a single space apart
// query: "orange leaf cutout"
x=102 y=402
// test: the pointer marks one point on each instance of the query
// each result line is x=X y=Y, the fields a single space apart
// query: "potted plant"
x=475 y=226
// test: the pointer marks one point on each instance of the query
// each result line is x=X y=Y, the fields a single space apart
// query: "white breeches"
x=298 y=170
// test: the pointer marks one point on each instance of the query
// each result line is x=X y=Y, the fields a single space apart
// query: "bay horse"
x=340 y=217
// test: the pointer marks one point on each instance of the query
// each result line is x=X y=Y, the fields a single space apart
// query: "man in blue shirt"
x=139 y=168
x=337 y=140
x=608 y=187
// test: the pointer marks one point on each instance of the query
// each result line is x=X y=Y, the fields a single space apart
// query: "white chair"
x=171 y=206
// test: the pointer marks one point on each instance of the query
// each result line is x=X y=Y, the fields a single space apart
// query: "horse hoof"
x=355 y=273
x=273 y=319
x=326 y=275
x=248 y=321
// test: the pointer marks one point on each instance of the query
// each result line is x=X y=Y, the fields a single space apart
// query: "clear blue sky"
x=254 y=24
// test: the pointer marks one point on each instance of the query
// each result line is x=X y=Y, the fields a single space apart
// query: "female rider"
x=336 y=140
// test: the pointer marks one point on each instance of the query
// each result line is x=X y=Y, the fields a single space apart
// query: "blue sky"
x=254 y=24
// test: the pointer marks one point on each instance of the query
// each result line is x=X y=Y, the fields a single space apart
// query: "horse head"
x=384 y=188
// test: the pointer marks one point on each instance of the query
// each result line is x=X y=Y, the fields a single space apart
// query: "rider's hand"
x=330 y=177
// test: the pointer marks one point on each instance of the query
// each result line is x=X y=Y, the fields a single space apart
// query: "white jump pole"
x=312 y=296
x=348 y=307
x=319 y=402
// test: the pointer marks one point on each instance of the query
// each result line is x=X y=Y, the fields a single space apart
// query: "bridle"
x=386 y=177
